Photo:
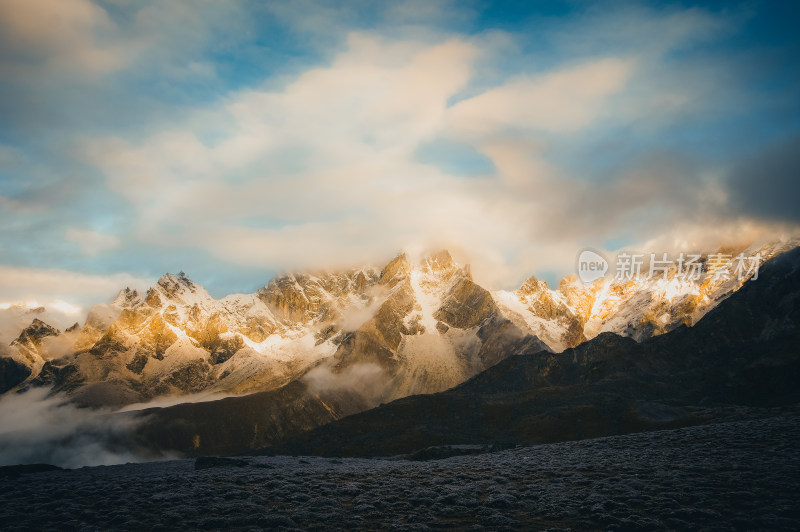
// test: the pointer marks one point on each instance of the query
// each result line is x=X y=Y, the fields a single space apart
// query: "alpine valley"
x=250 y=371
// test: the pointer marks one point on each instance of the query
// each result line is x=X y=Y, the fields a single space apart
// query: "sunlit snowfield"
x=740 y=475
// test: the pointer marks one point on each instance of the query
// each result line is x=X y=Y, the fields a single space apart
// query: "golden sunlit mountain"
x=423 y=327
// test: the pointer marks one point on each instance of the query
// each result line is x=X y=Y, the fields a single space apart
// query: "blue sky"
x=236 y=139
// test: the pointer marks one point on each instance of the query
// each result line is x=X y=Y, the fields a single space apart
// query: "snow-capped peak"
x=127 y=298
x=35 y=332
x=428 y=321
x=182 y=287
x=532 y=286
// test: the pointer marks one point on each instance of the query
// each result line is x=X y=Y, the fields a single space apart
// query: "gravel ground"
x=738 y=475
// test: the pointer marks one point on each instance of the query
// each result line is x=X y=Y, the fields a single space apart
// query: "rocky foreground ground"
x=736 y=475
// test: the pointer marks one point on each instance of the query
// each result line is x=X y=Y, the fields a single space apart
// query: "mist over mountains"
x=311 y=348
x=427 y=325
x=409 y=265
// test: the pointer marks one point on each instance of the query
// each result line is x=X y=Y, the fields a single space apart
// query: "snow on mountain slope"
x=14 y=318
x=436 y=357
x=428 y=326
x=177 y=339
x=435 y=329
x=543 y=312
x=639 y=308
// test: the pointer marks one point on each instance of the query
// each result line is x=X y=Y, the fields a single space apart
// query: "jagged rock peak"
x=533 y=286
x=568 y=281
x=297 y=280
x=442 y=267
x=441 y=260
x=26 y=309
x=127 y=298
x=35 y=332
x=306 y=296
x=439 y=264
x=335 y=282
x=174 y=283
x=152 y=298
x=178 y=289
x=396 y=268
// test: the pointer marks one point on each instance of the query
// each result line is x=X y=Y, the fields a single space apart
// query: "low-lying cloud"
x=368 y=380
x=65 y=296
x=36 y=427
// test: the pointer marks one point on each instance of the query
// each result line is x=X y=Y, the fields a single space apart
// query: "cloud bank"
x=35 y=428
x=255 y=138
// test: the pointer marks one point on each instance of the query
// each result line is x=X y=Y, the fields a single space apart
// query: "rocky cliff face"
x=412 y=327
x=26 y=355
x=426 y=327
x=177 y=339
x=742 y=355
x=30 y=339
x=639 y=308
x=434 y=328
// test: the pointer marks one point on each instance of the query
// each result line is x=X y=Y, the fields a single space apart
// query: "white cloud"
x=13 y=205
x=66 y=295
x=359 y=191
x=565 y=100
x=91 y=242
x=38 y=428
x=322 y=170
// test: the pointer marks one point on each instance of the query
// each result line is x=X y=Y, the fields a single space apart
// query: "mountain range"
x=314 y=347
x=428 y=325
x=740 y=360
x=742 y=355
